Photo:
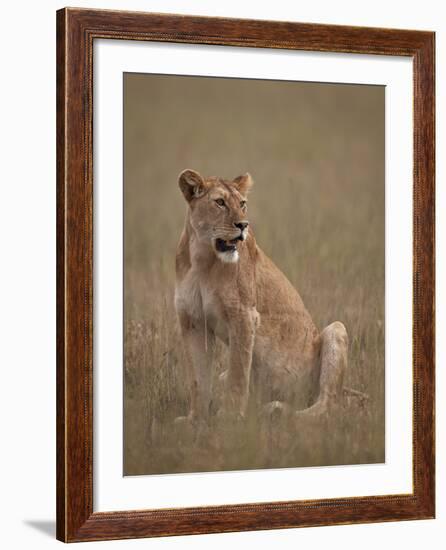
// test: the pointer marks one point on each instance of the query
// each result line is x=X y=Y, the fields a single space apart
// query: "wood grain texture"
x=76 y=31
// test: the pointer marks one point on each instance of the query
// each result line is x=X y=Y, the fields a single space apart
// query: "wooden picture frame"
x=76 y=31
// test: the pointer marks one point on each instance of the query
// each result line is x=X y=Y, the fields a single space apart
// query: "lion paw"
x=275 y=410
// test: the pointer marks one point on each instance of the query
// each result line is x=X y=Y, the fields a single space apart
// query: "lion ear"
x=191 y=184
x=244 y=184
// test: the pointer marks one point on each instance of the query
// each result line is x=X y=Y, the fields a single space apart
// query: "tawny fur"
x=241 y=297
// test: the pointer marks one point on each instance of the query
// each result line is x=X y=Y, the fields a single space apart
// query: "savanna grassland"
x=316 y=153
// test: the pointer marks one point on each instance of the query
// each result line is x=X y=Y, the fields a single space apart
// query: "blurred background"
x=316 y=153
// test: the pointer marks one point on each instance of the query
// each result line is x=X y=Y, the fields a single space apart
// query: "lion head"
x=218 y=211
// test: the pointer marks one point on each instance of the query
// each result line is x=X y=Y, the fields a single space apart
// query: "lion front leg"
x=199 y=346
x=241 y=344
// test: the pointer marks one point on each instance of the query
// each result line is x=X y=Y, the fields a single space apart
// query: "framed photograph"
x=245 y=275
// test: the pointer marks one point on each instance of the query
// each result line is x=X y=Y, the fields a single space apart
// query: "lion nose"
x=241 y=225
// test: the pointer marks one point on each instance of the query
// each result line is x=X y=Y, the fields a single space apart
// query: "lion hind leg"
x=333 y=365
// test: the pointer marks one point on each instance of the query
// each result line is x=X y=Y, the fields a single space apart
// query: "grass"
x=316 y=153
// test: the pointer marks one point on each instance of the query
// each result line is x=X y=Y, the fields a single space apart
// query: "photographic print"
x=254 y=274
x=245 y=274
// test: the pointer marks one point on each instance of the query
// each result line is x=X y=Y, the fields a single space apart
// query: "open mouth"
x=227 y=246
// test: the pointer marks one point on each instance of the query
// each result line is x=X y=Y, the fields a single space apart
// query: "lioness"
x=226 y=287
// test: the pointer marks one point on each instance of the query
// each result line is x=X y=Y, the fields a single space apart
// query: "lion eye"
x=220 y=202
x=243 y=204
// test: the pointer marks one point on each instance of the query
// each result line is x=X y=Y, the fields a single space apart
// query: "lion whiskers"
x=225 y=235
